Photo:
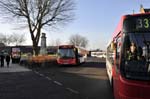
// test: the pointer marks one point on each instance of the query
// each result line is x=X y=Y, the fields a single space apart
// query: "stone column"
x=43 y=49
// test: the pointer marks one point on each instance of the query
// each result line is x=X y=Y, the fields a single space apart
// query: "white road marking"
x=73 y=91
x=58 y=83
x=41 y=75
x=48 y=78
x=36 y=72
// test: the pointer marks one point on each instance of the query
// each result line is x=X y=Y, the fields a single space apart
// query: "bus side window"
x=118 y=50
x=110 y=54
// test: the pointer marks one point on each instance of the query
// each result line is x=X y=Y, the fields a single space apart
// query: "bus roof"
x=66 y=46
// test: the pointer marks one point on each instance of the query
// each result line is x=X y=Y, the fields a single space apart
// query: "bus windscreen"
x=66 y=53
x=136 y=57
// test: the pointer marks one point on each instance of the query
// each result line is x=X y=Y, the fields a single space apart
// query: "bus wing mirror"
x=113 y=45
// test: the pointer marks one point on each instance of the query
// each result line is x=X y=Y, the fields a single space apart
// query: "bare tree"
x=57 y=42
x=38 y=14
x=5 y=39
x=14 y=38
x=78 y=40
x=17 y=39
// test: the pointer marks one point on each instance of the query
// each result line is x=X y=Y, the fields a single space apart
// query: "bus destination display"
x=137 y=24
x=143 y=23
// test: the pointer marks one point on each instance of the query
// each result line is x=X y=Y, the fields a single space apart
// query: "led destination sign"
x=137 y=24
x=142 y=23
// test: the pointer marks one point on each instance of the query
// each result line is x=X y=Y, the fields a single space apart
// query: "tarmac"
x=13 y=68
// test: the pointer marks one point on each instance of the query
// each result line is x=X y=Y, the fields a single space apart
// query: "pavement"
x=13 y=68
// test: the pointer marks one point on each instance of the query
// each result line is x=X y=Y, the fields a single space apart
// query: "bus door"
x=117 y=66
x=76 y=55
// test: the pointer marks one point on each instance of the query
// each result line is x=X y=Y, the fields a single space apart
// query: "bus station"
x=108 y=58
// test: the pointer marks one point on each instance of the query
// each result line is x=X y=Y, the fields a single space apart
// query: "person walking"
x=7 y=59
x=2 y=59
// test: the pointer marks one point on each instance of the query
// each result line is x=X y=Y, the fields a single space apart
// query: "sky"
x=94 y=19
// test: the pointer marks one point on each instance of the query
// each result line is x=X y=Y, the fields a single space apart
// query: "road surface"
x=86 y=81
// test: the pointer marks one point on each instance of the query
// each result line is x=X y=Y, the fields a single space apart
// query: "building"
x=99 y=54
x=28 y=49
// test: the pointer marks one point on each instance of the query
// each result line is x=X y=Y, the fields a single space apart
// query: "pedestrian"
x=7 y=59
x=2 y=59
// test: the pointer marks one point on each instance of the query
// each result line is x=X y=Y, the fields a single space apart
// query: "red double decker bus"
x=69 y=55
x=128 y=58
